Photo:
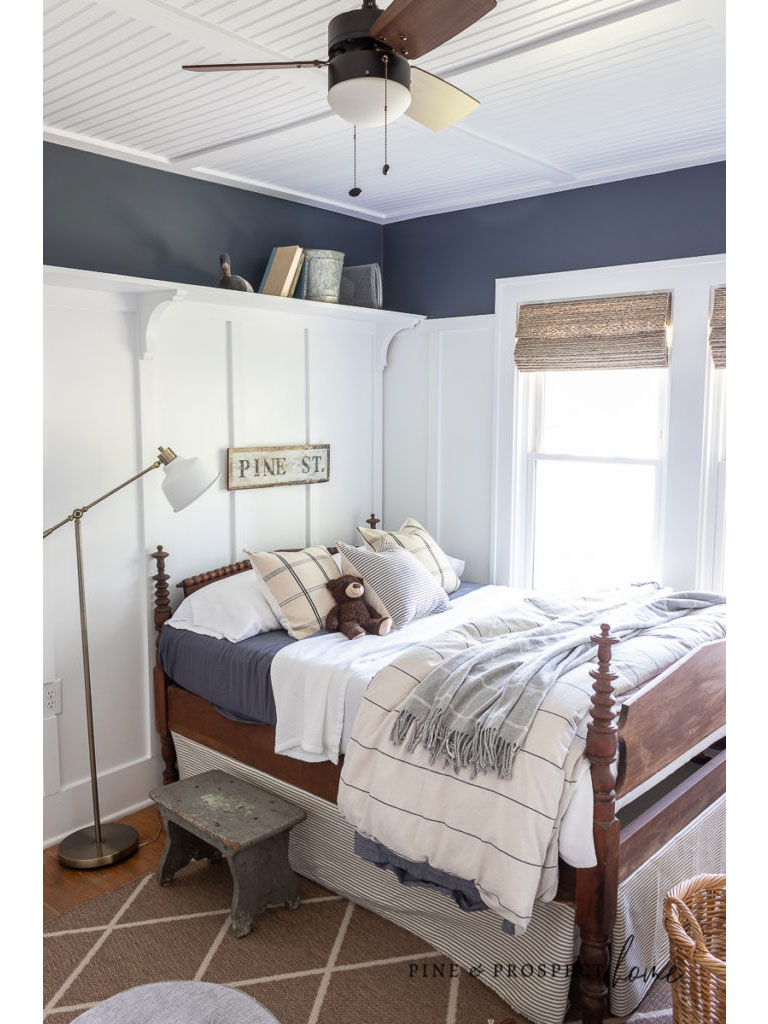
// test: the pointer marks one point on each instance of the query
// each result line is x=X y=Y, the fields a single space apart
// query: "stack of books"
x=283 y=270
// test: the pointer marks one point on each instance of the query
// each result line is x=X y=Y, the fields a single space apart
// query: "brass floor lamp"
x=97 y=845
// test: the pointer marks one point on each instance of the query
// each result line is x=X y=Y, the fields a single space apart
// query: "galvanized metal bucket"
x=322 y=268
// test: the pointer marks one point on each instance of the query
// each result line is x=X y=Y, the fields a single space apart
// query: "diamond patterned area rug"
x=329 y=962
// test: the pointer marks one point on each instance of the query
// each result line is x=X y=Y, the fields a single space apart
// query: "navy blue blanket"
x=233 y=677
x=424 y=876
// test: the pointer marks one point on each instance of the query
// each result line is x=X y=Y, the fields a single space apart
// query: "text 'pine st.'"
x=277 y=465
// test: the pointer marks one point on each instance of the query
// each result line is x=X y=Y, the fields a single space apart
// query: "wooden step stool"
x=215 y=815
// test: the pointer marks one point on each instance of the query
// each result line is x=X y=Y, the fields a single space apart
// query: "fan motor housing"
x=353 y=53
x=369 y=63
x=352 y=26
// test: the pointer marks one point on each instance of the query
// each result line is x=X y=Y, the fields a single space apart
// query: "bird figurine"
x=230 y=280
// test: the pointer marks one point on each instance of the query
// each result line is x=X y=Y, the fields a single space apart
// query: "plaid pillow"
x=400 y=583
x=414 y=538
x=294 y=586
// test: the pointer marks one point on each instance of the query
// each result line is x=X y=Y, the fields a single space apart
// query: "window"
x=601 y=473
x=594 y=476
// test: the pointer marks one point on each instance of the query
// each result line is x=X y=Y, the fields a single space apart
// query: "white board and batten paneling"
x=133 y=364
x=438 y=435
x=91 y=443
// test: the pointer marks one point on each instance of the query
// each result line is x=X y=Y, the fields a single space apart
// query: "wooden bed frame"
x=628 y=742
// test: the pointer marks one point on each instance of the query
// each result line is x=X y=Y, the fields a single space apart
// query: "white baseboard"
x=121 y=791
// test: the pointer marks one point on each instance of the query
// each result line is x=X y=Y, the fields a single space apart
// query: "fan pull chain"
x=354 y=191
x=385 y=168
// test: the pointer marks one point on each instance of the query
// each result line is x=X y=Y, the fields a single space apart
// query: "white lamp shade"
x=185 y=480
x=361 y=100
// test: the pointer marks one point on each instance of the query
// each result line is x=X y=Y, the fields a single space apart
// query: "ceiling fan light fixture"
x=369 y=81
x=361 y=100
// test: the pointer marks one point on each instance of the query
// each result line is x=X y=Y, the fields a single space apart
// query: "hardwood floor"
x=66 y=888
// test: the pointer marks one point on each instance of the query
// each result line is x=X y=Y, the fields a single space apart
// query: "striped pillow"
x=294 y=586
x=370 y=596
x=414 y=538
x=400 y=583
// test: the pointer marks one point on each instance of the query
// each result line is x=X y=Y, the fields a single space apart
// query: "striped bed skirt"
x=531 y=972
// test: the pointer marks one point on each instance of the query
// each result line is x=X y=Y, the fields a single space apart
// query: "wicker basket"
x=694 y=916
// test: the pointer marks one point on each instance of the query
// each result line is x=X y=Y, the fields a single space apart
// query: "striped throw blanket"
x=474 y=708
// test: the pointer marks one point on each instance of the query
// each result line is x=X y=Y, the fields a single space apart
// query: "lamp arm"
x=78 y=513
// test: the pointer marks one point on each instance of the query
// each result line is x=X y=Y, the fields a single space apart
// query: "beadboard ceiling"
x=573 y=92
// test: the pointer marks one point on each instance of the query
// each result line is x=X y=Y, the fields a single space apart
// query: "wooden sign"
x=278 y=465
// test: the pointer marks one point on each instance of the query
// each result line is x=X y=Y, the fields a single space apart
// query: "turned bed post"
x=597 y=888
x=162 y=612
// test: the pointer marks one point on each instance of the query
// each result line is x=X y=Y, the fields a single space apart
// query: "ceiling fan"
x=370 y=79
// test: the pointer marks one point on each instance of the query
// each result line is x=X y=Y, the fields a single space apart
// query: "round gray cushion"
x=178 y=1002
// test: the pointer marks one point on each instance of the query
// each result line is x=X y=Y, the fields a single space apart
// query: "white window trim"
x=690 y=281
x=711 y=527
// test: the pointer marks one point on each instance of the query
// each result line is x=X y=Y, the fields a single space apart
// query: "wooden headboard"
x=193 y=583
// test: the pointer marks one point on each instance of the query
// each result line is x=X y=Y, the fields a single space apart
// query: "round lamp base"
x=80 y=850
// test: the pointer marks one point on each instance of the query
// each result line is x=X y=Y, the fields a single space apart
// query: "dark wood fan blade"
x=436 y=103
x=275 y=66
x=414 y=27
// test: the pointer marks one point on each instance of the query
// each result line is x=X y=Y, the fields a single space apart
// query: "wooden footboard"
x=669 y=715
x=653 y=727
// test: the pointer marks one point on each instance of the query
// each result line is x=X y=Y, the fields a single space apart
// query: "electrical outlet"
x=52 y=698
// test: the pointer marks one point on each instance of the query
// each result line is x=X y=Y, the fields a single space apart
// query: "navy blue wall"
x=122 y=218
x=446 y=264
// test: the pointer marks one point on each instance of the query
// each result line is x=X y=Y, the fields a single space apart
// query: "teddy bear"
x=351 y=615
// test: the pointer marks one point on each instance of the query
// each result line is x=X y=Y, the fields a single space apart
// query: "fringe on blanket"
x=485 y=751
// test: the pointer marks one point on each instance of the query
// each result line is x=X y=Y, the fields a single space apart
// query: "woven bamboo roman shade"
x=619 y=332
x=717 y=329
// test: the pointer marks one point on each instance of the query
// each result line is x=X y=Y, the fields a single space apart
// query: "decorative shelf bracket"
x=384 y=339
x=150 y=309
x=386 y=332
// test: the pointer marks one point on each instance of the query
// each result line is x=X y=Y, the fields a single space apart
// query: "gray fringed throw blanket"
x=477 y=706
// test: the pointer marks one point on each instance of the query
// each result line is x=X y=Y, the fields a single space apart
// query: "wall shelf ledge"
x=152 y=299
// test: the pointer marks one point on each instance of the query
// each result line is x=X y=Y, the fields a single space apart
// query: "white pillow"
x=457 y=565
x=230 y=609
